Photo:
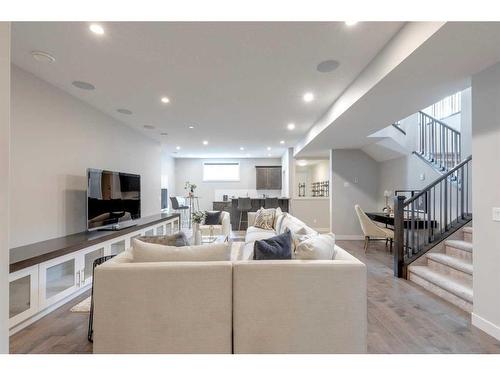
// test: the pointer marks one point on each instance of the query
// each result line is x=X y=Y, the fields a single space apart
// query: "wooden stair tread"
x=453 y=262
x=444 y=282
x=459 y=244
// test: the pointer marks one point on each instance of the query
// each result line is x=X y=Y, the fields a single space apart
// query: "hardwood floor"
x=402 y=318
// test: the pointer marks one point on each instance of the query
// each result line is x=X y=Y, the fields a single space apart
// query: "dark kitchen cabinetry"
x=268 y=177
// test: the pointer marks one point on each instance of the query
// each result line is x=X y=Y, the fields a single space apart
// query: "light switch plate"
x=496 y=213
x=422 y=177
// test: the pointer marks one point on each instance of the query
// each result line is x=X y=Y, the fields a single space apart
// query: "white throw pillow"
x=149 y=252
x=319 y=247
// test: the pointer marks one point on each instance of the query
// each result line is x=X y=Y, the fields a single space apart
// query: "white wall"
x=355 y=180
x=191 y=169
x=466 y=123
x=287 y=168
x=167 y=172
x=403 y=174
x=55 y=138
x=486 y=195
x=4 y=186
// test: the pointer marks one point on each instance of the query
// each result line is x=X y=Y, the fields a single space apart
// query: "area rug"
x=82 y=307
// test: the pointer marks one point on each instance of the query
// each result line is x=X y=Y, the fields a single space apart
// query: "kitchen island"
x=231 y=206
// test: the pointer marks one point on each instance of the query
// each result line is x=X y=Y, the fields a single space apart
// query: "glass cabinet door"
x=170 y=228
x=88 y=264
x=117 y=247
x=58 y=279
x=23 y=294
x=150 y=232
x=160 y=230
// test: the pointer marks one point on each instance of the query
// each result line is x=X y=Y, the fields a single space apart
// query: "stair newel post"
x=399 y=235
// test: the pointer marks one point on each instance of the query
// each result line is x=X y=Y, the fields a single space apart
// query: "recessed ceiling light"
x=124 y=111
x=191 y=127
x=327 y=66
x=351 y=23
x=83 y=85
x=268 y=148
x=43 y=57
x=165 y=100
x=308 y=97
x=163 y=133
x=178 y=148
x=96 y=29
x=149 y=127
x=282 y=142
x=205 y=143
x=302 y=163
x=242 y=148
x=290 y=126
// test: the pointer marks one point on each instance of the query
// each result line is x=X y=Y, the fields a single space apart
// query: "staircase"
x=447 y=270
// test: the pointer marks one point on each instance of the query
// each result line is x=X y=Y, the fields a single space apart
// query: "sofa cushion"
x=177 y=239
x=294 y=225
x=265 y=218
x=254 y=234
x=316 y=247
x=149 y=252
x=277 y=247
x=213 y=217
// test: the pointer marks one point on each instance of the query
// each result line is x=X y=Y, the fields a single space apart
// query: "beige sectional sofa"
x=245 y=306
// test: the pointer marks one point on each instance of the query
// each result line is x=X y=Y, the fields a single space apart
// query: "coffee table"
x=205 y=240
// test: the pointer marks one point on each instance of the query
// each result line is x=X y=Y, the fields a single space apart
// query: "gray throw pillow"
x=178 y=239
x=277 y=247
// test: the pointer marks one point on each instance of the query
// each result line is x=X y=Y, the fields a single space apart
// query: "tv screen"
x=112 y=198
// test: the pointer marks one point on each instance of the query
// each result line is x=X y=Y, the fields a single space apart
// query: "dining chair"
x=371 y=230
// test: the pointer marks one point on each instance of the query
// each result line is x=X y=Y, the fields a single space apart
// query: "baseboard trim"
x=349 y=237
x=486 y=326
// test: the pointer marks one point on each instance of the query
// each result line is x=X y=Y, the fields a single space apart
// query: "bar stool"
x=179 y=208
x=271 y=203
x=244 y=205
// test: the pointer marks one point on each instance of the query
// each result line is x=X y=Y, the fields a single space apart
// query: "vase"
x=197 y=234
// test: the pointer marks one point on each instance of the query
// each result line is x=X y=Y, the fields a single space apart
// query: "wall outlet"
x=496 y=213
x=356 y=180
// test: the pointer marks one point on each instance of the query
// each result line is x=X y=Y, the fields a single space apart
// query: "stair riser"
x=468 y=237
x=458 y=253
x=453 y=299
x=461 y=276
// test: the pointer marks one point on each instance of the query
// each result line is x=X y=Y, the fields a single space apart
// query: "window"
x=221 y=171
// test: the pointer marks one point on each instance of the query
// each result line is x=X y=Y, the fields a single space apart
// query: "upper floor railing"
x=438 y=143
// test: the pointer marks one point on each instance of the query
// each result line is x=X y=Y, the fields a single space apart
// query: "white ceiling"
x=442 y=65
x=239 y=84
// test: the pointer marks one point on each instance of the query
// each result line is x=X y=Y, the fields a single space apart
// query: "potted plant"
x=197 y=218
x=190 y=188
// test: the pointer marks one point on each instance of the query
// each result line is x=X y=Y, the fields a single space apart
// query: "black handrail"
x=431 y=215
x=438 y=180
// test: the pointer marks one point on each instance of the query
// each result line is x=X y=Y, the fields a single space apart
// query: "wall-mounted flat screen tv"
x=113 y=199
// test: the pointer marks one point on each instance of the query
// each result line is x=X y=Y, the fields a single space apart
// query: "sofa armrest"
x=226 y=223
x=163 y=307
x=297 y=306
x=251 y=218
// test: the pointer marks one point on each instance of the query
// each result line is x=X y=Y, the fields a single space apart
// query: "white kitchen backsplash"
x=252 y=193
